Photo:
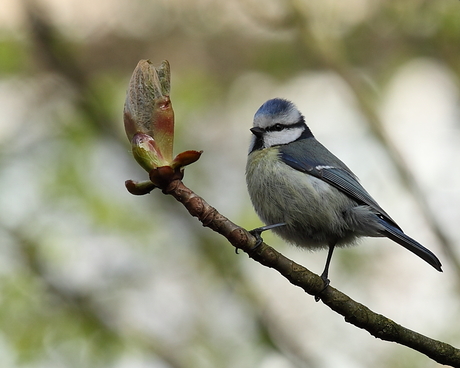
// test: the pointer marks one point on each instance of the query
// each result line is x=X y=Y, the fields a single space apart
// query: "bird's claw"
x=325 y=286
x=256 y=233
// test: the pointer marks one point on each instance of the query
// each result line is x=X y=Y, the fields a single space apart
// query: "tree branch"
x=353 y=312
x=147 y=120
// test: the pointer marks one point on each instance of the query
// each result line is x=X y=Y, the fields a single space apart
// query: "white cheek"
x=284 y=137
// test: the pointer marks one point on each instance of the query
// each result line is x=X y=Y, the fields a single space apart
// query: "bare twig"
x=353 y=312
x=168 y=178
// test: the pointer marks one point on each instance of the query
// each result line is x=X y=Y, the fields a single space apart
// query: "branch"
x=149 y=125
x=353 y=312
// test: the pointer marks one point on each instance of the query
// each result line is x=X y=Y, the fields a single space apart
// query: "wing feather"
x=336 y=174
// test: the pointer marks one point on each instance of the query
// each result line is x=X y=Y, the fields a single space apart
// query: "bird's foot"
x=325 y=286
x=256 y=233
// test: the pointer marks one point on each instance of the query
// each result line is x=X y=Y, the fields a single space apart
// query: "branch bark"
x=168 y=178
x=353 y=312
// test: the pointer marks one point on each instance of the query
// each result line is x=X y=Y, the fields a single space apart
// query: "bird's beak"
x=258 y=132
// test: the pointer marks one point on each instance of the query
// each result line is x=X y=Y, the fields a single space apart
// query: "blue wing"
x=314 y=159
x=331 y=170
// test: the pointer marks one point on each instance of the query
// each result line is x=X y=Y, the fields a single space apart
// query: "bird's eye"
x=278 y=127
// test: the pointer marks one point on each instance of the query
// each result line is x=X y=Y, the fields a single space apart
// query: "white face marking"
x=282 y=137
x=280 y=123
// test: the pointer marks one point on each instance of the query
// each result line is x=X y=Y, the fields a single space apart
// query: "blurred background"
x=91 y=276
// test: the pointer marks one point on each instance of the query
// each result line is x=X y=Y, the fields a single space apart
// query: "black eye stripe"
x=280 y=127
x=276 y=128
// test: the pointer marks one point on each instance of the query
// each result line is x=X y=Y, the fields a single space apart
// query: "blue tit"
x=306 y=194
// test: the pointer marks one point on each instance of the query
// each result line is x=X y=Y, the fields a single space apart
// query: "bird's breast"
x=311 y=208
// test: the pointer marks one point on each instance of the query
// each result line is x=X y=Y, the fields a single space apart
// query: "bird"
x=308 y=196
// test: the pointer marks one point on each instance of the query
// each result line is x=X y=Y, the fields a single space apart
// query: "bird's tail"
x=407 y=242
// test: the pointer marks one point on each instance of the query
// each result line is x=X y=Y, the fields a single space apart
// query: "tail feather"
x=407 y=242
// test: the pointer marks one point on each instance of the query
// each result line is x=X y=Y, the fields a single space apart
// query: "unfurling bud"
x=146 y=152
x=149 y=121
x=148 y=107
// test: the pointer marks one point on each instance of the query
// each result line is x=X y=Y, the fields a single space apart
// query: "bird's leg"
x=324 y=275
x=257 y=231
